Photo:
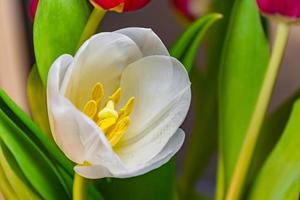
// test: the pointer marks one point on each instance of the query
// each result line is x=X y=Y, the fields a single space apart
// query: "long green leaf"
x=280 y=175
x=186 y=47
x=244 y=61
x=58 y=25
x=16 y=180
x=35 y=165
x=5 y=188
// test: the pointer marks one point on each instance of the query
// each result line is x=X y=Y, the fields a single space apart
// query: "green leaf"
x=158 y=184
x=35 y=165
x=36 y=93
x=244 y=62
x=14 y=176
x=186 y=47
x=269 y=135
x=5 y=188
x=280 y=175
x=57 y=28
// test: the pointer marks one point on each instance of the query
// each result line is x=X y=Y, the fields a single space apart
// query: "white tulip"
x=116 y=107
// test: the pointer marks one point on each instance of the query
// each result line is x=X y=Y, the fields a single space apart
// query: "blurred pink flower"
x=284 y=8
x=192 y=9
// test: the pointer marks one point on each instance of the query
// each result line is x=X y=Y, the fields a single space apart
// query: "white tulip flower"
x=116 y=107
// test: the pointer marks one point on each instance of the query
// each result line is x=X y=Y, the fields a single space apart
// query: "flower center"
x=113 y=123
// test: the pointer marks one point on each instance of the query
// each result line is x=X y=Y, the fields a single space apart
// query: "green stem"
x=91 y=25
x=258 y=115
x=79 y=187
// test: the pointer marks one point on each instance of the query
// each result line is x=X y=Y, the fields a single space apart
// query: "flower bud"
x=288 y=10
x=120 y=5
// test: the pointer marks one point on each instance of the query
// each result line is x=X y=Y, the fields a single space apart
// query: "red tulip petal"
x=32 y=8
x=286 y=8
x=129 y=5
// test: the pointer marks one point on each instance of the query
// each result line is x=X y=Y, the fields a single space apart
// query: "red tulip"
x=120 y=5
x=32 y=8
x=289 y=9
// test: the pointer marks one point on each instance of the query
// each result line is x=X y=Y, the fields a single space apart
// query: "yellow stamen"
x=118 y=131
x=113 y=124
x=127 y=109
x=116 y=96
x=90 y=108
x=97 y=92
x=105 y=124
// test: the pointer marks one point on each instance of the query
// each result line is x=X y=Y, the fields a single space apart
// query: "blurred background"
x=16 y=54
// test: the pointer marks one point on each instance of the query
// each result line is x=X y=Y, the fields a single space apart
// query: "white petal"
x=101 y=171
x=100 y=59
x=77 y=135
x=161 y=87
x=148 y=42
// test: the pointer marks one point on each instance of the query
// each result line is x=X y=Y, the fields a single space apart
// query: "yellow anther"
x=105 y=124
x=116 y=96
x=108 y=111
x=118 y=131
x=128 y=108
x=97 y=92
x=90 y=108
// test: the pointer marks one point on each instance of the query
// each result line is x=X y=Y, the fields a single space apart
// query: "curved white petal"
x=77 y=135
x=148 y=42
x=100 y=59
x=101 y=171
x=161 y=87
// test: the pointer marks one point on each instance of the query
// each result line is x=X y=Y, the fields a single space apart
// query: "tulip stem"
x=79 y=187
x=244 y=160
x=92 y=24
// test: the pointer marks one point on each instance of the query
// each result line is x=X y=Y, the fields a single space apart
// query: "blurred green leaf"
x=14 y=175
x=5 y=188
x=36 y=94
x=37 y=168
x=214 y=43
x=272 y=130
x=158 y=184
x=280 y=175
x=244 y=60
x=186 y=47
x=57 y=28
